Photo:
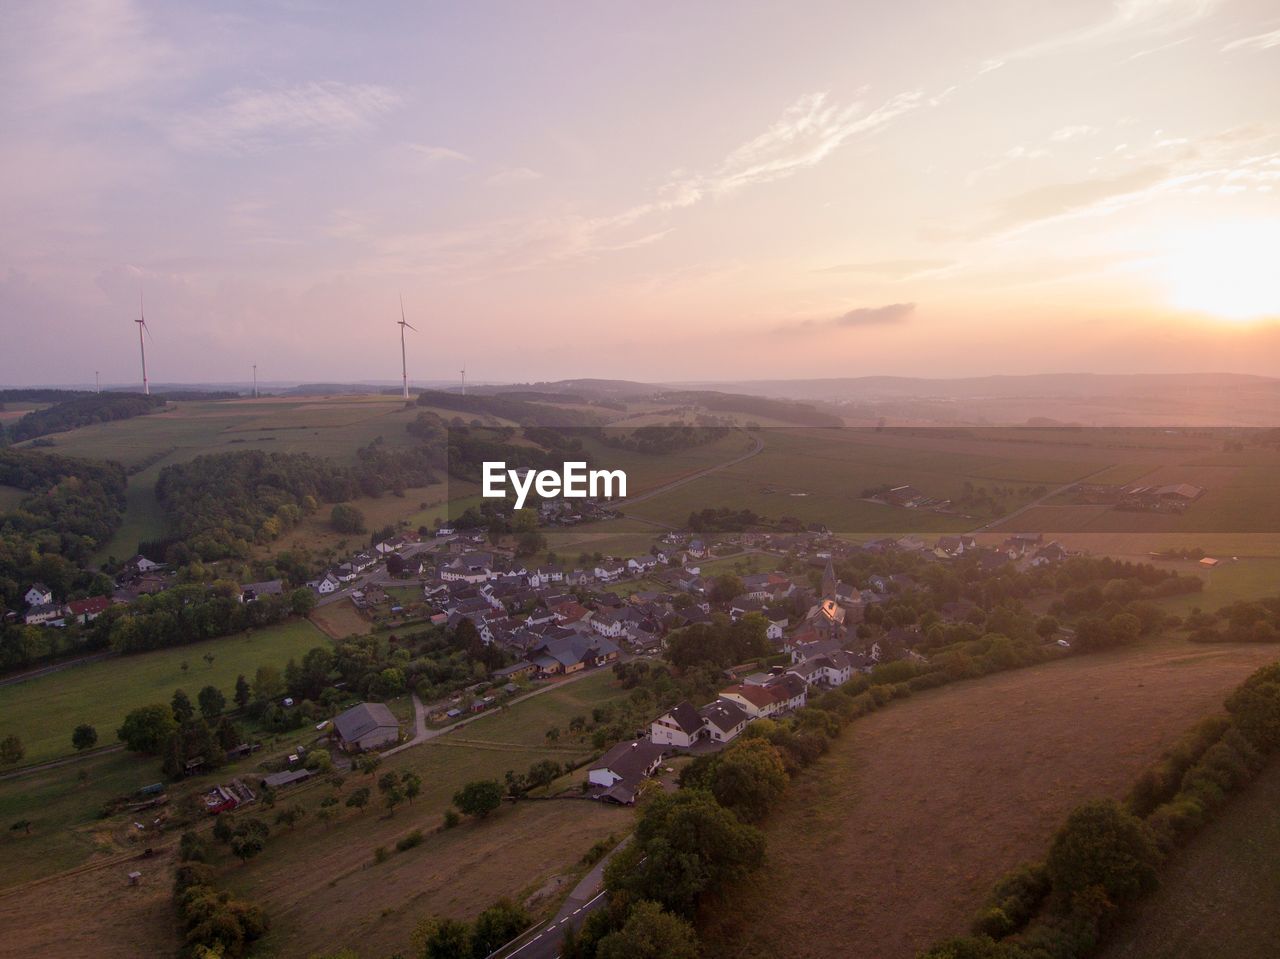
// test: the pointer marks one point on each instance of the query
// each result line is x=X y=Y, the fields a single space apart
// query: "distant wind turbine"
x=142 y=345
x=464 y=379
x=97 y=383
x=255 y=381
x=404 y=367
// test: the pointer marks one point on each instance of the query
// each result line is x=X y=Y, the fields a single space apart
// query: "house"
x=680 y=726
x=573 y=653
x=329 y=584
x=140 y=564
x=44 y=614
x=87 y=610
x=366 y=726
x=755 y=701
x=38 y=595
x=254 y=591
x=619 y=772
x=609 y=573
x=724 y=720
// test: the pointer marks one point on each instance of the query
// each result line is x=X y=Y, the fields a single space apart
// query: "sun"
x=1229 y=271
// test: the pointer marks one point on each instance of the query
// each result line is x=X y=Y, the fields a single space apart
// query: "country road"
x=756 y=448
x=985 y=527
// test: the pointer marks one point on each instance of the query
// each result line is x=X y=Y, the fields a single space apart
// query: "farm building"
x=366 y=726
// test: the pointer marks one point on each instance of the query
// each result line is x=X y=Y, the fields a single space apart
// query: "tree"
x=1102 y=845
x=243 y=694
x=302 y=601
x=650 y=932
x=345 y=518
x=392 y=794
x=249 y=838
x=183 y=711
x=292 y=816
x=411 y=785
x=359 y=798
x=84 y=737
x=749 y=778
x=445 y=939
x=497 y=926
x=268 y=684
x=686 y=844
x=479 y=798
x=147 y=728
x=11 y=750
x=395 y=564
x=208 y=659
x=23 y=824
x=725 y=587
x=212 y=702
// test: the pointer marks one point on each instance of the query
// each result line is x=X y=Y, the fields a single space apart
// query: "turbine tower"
x=255 y=381
x=404 y=367
x=464 y=379
x=142 y=345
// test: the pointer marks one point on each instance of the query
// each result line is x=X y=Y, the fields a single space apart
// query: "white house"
x=620 y=771
x=724 y=720
x=38 y=595
x=45 y=613
x=608 y=574
x=680 y=726
x=329 y=584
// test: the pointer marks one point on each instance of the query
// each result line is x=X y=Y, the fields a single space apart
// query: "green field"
x=1247 y=578
x=1220 y=896
x=43 y=711
x=64 y=813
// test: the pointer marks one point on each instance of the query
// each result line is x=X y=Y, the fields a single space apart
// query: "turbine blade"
x=411 y=326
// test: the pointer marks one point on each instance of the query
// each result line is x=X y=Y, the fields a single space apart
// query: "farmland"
x=1220 y=896
x=43 y=711
x=919 y=808
x=310 y=880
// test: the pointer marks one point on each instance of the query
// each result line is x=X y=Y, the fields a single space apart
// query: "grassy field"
x=919 y=808
x=1221 y=895
x=315 y=879
x=43 y=711
x=340 y=620
x=64 y=812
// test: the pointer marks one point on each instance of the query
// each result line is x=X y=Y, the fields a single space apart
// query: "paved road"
x=543 y=942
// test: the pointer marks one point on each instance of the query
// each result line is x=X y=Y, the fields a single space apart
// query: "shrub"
x=1101 y=845
x=405 y=843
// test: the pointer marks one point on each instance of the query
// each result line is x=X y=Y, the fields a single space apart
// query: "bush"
x=405 y=843
x=1101 y=845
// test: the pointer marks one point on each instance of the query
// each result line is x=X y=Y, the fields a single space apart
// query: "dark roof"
x=724 y=714
x=360 y=720
x=630 y=760
x=686 y=717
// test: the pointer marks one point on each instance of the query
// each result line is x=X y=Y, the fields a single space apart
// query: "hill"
x=893 y=840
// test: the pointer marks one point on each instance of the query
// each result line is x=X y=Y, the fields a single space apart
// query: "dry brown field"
x=894 y=840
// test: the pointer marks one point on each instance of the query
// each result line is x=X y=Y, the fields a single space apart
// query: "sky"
x=660 y=191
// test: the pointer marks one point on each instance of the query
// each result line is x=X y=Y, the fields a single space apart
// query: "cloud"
x=1063 y=134
x=1263 y=41
x=61 y=51
x=1059 y=199
x=1128 y=18
x=432 y=153
x=251 y=121
x=891 y=314
x=519 y=174
x=807 y=132
x=897 y=268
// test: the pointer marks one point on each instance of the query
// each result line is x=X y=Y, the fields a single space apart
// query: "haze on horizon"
x=673 y=192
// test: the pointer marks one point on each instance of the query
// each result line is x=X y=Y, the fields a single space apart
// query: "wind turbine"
x=255 y=381
x=97 y=383
x=404 y=368
x=464 y=379
x=142 y=327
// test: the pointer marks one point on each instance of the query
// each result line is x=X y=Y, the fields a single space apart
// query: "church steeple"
x=829 y=581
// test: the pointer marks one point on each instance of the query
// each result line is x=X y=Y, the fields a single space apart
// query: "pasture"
x=314 y=880
x=1220 y=896
x=43 y=711
x=920 y=807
